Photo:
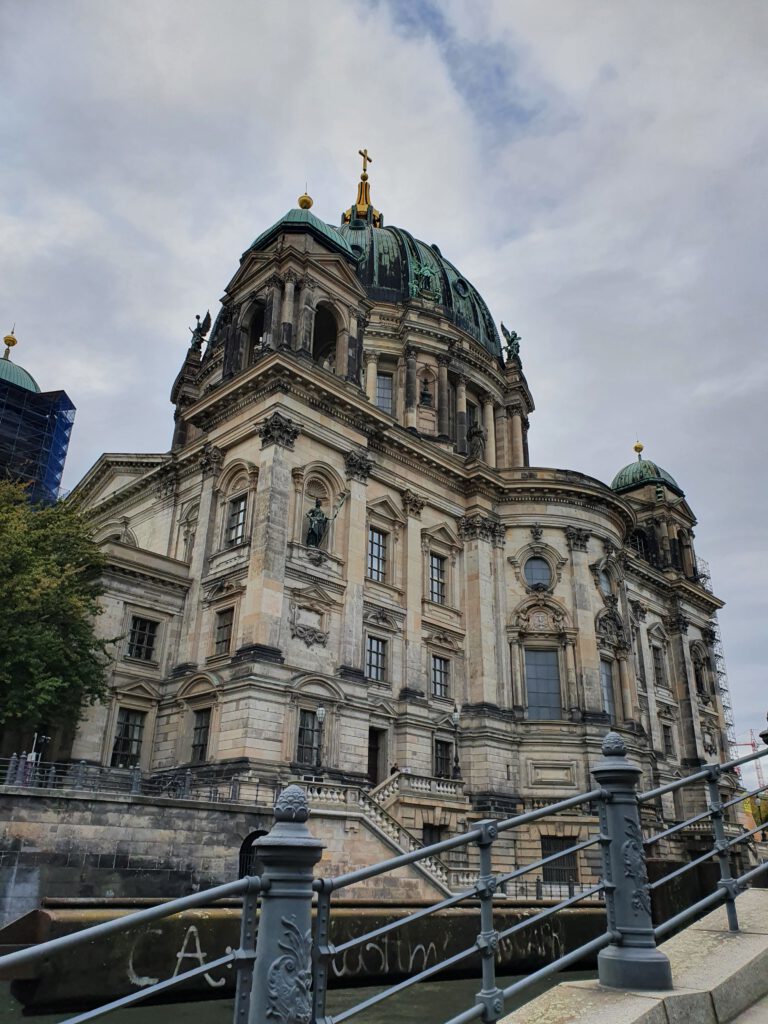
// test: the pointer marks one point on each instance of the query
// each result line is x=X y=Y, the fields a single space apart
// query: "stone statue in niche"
x=476 y=439
x=318 y=524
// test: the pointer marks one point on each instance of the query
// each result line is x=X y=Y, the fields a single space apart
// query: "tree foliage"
x=51 y=661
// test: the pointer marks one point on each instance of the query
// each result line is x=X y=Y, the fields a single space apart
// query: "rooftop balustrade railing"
x=283 y=965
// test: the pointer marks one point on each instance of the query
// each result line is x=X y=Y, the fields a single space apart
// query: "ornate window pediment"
x=538 y=549
x=541 y=615
x=445 y=639
x=141 y=691
x=199 y=688
x=609 y=629
x=380 y=619
x=223 y=588
x=441 y=535
x=386 y=510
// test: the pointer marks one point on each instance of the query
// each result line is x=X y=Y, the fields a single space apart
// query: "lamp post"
x=320 y=719
x=456 y=773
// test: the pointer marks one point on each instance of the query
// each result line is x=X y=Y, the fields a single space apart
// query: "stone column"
x=477 y=532
x=271 y=314
x=411 y=387
x=353 y=346
x=261 y=613
x=625 y=686
x=584 y=594
x=286 y=326
x=504 y=695
x=414 y=557
x=443 y=400
x=461 y=415
x=569 y=650
x=515 y=413
x=358 y=467
x=371 y=368
x=662 y=535
x=518 y=674
x=502 y=438
x=490 y=431
x=298 y=484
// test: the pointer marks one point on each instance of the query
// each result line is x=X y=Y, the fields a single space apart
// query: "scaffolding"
x=718 y=657
x=34 y=435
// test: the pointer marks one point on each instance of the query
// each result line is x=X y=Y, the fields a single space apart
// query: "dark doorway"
x=249 y=862
x=375 y=755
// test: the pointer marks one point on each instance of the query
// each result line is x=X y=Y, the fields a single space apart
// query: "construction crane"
x=754 y=746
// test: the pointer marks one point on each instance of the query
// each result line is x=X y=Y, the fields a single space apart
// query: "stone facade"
x=454 y=612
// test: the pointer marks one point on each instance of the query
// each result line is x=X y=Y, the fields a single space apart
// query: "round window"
x=538 y=573
x=462 y=288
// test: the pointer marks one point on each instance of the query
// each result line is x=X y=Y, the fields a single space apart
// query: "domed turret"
x=643 y=472
x=12 y=372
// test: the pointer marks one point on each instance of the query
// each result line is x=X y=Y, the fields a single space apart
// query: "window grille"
x=126 y=750
x=376 y=658
x=141 y=640
x=542 y=683
x=200 y=734
x=441 y=668
x=443 y=757
x=308 y=752
x=224 y=623
x=236 y=521
x=377 y=555
x=563 y=870
x=437 y=579
x=384 y=392
x=606 y=687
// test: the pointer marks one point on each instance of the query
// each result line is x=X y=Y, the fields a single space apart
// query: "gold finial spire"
x=10 y=340
x=304 y=201
x=638 y=446
x=363 y=205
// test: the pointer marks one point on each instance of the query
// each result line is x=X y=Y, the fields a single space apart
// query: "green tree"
x=51 y=661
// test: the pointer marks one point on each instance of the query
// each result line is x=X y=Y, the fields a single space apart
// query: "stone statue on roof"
x=512 y=347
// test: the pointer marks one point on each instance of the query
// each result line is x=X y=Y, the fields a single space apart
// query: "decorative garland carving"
x=634 y=867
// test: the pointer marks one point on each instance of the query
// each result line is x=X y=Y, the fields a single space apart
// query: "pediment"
x=541 y=614
x=443 y=638
x=111 y=474
x=381 y=619
x=141 y=690
x=200 y=686
x=442 y=533
x=385 y=508
x=312 y=595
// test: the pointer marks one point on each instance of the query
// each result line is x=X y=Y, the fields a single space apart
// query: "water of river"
x=425 y=1003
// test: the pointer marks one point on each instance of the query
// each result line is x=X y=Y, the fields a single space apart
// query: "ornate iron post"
x=632 y=960
x=282 y=974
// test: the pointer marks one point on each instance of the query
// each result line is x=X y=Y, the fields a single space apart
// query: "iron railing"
x=283 y=965
x=203 y=783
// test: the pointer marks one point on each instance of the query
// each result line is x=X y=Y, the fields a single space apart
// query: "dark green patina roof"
x=300 y=221
x=15 y=374
x=642 y=472
x=393 y=266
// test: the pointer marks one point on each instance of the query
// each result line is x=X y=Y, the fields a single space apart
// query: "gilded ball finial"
x=305 y=201
x=638 y=446
x=10 y=339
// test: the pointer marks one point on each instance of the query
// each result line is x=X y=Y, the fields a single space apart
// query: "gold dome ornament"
x=638 y=447
x=10 y=339
x=304 y=201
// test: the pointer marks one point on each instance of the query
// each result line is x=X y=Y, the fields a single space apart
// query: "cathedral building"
x=350 y=570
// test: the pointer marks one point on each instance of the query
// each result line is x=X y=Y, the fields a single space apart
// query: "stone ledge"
x=717 y=975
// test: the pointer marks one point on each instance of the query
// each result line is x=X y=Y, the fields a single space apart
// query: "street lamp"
x=456 y=773
x=320 y=719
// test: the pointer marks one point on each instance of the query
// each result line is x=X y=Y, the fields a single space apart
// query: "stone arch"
x=327 y=326
x=253 y=325
x=248 y=863
x=538 y=549
x=116 y=531
x=236 y=476
x=317 y=480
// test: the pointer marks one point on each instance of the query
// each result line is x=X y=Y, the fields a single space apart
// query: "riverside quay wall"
x=128 y=846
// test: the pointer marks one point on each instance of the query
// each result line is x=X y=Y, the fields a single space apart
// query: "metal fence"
x=283 y=965
x=208 y=783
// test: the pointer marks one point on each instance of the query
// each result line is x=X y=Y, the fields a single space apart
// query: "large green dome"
x=393 y=266
x=15 y=374
x=642 y=472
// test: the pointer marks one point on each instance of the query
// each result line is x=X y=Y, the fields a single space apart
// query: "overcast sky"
x=596 y=169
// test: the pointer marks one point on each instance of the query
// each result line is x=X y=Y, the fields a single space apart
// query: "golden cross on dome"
x=366 y=159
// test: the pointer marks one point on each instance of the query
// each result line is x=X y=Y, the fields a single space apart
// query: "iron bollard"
x=136 y=779
x=539 y=889
x=187 y=785
x=10 y=775
x=21 y=770
x=282 y=974
x=632 y=960
x=80 y=775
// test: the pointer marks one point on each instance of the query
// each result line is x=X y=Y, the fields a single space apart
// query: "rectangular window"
x=606 y=687
x=669 y=743
x=377 y=555
x=376 y=658
x=443 y=757
x=141 y=640
x=384 y=392
x=126 y=750
x=308 y=752
x=564 y=869
x=200 y=734
x=659 y=675
x=437 y=579
x=432 y=834
x=542 y=683
x=223 y=638
x=236 y=521
x=441 y=676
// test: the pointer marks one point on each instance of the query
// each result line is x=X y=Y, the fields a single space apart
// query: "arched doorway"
x=249 y=863
x=324 y=335
x=255 y=333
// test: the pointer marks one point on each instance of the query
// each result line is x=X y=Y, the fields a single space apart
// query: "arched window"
x=324 y=335
x=538 y=573
x=249 y=863
x=255 y=333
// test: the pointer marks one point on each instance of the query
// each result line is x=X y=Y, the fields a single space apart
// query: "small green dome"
x=15 y=374
x=642 y=472
x=304 y=220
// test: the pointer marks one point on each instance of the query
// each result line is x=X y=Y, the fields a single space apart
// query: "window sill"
x=215 y=658
x=428 y=605
x=145 y=663
x=388 y=588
